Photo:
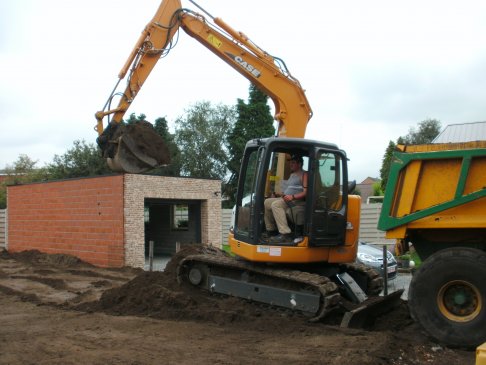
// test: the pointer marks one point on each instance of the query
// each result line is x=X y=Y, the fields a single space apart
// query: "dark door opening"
x=169 y=223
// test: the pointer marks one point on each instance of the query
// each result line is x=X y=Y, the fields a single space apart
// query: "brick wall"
x=139 y=187
x=81 y=217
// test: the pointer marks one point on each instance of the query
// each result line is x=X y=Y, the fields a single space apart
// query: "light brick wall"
x=139 y=187
x=80 y=217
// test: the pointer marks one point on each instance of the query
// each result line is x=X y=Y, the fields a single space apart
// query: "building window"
x=180 y=217
x=146 y=214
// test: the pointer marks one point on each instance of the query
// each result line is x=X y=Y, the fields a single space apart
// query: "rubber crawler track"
x=328 y=290
x=375 y=281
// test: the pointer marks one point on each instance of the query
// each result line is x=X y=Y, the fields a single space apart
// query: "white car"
x=372 y=256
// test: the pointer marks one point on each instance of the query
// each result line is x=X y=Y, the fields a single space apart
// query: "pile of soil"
x=134 y=147
x=160 y=295
x=146 y=140
x=57 y=279
x=35 y=257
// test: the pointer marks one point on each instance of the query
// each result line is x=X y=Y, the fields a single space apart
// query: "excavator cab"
x=321 y=221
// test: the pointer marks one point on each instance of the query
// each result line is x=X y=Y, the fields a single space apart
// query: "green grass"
x=415 y=257
x=227 y=249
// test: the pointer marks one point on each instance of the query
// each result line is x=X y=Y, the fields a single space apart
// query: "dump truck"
x=435 y=201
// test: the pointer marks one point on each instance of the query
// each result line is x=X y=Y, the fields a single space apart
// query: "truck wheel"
x=447 y=296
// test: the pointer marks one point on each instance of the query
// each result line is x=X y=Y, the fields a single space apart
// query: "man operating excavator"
x=314 y=274
x=277 y=227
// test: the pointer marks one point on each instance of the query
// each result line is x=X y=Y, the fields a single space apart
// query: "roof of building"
x=369 y=180
x=463 y=132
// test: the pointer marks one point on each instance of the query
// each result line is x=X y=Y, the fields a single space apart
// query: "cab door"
x=329 y=199
x=248 y=212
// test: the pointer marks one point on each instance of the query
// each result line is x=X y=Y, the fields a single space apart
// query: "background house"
x=366 y=188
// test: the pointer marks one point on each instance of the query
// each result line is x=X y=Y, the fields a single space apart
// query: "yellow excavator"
x=314 y=272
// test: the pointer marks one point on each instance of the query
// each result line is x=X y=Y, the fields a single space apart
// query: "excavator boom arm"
x=292 y=109
x=153 y=42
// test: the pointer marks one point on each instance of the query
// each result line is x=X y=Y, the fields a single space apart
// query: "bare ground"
x=55 y=309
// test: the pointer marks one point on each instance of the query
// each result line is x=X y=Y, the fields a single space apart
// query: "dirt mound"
x=36 y=257
x=133 y=148
x=159 y=295
x=156 y=295
x=57 y=279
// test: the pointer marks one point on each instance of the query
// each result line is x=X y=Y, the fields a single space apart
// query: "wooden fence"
x=226 y=220
x=370 y=213
x=3 y=228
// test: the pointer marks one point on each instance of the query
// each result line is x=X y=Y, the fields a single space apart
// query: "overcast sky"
x=371 y=69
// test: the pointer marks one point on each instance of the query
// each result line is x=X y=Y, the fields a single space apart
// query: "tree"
x=23 y=165
x=377 y=190
x=201 y=137
x=3 y=195
x=80 y=161
x=174 y=169
x=427 y=130
x=386 y=163
x=254 y=121
x=22 y=171
x=133 y=118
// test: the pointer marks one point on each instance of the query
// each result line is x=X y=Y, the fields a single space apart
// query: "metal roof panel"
x=463 y=132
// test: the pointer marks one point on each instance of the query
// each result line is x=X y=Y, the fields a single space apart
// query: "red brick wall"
x=80 y=217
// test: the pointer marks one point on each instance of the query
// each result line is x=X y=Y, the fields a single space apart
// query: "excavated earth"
x=56 y=309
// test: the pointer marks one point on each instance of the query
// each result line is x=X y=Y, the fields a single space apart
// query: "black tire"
x=447 y=297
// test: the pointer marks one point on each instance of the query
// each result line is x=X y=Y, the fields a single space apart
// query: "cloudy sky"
x=371 y=69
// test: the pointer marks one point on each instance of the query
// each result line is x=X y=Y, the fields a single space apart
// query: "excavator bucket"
x=365 y=315
x=133 y=148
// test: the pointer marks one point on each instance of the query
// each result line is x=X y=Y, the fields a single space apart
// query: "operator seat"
x=296 y=218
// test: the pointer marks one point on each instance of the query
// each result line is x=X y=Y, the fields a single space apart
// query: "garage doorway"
x=168 y=223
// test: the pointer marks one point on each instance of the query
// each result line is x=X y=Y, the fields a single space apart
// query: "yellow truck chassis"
x=435 y=200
